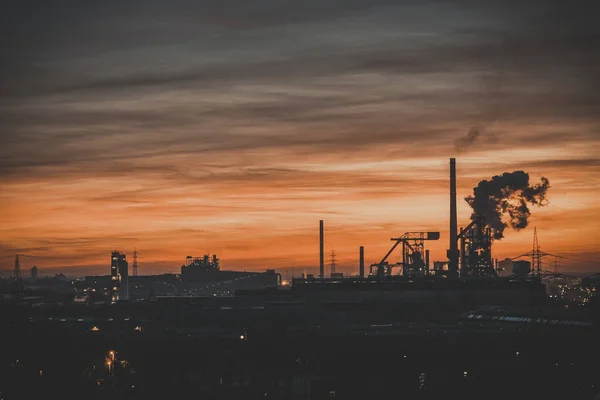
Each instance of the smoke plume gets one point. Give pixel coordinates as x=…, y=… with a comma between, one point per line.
x=475, y=134
x=508, y=196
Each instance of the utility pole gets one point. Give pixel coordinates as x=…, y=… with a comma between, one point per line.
x=536, y=256
x=135, y=264
x=332, y=262
x=18, y=288
x=536, y=259
x=321, y=263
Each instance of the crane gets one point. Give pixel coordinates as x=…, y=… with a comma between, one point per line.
x=415, y=259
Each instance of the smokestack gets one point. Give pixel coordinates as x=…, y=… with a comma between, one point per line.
x=362, y=262
x=462, y=252
x=453, y=251
x=321, y=254
x=427, y=262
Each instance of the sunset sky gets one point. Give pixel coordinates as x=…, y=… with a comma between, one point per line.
x=232, y=126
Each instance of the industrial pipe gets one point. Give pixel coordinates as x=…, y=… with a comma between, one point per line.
x=361, y=270
x=321, y=254
x=453, y=253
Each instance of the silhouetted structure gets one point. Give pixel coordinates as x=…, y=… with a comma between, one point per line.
x=135, y=263
x=536, y=255
x=332, y=264
x=361, y=270
x=440, y=269
x=476, y=250
x=321, y=252
x=207, y=269
x=34, y=273
x=453, y=253
x=119, y=274
x=521, y=268
x=413, y=255
x=18, y=288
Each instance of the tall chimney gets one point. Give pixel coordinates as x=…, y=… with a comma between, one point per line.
x=361, y=270
x=321, y=255
x=427, y=262
x=453, y=251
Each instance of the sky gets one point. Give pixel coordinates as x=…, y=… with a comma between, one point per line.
x=232, y=127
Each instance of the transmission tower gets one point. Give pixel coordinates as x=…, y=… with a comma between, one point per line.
x=18, y=288
x=135, y=264
x=536, y=258
x=332, y=262
x=536, y=255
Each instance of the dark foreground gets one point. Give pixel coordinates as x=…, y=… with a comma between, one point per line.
x=467, y=360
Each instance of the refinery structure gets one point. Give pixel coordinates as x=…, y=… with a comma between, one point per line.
x=119, y=276
x=467, y=278
x=448, y=326
x=468, y=271
x=207, y=269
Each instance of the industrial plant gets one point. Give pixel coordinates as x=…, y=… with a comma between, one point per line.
x=417, y=328
x=468, y=277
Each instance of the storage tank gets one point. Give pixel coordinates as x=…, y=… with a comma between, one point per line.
x=521, y=268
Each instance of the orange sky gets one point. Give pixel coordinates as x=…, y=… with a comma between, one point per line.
x=233, y=130
x=268, y=217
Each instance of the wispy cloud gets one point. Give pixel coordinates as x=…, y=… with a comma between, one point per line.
x=190, y=125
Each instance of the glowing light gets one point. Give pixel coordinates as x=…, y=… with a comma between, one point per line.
x=242, y=337
x=94, y=329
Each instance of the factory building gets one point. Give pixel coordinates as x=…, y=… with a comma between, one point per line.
x=518, y=268
x=34, y=273
x=119, y=275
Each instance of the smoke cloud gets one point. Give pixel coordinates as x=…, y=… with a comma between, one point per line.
x=475, y=134
x=504, y=201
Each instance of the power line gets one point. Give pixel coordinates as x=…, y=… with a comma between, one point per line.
x=536, y=258
x=554, y=255
x=577, y=259
x=31, y=256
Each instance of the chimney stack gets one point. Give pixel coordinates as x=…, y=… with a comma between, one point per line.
x=453, y=251
x=361, y=270
x=321, y=255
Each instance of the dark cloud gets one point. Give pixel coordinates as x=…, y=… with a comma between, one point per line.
x=86, y=85
x=580, y=163
x=474, y=135
x=504, y=62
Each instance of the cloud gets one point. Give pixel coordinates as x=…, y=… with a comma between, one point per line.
x=168, y=122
